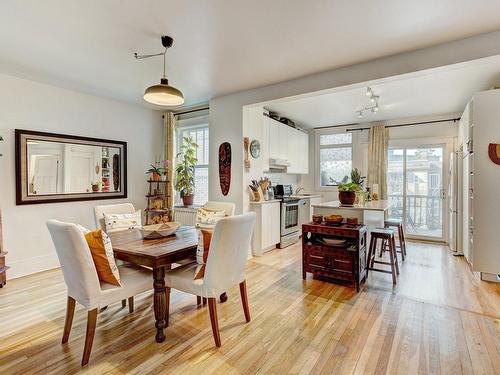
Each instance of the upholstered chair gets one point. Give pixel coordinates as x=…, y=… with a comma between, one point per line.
x=225, y=267
x=83, y=284
x=108, y=209
x=229, y=207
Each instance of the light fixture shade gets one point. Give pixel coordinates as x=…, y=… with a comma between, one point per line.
x=163, y=94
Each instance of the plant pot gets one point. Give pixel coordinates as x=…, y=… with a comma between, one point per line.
x=187, y=200
x=163, y=177
x=155, y=176
x=347, y=198
x=95, y=188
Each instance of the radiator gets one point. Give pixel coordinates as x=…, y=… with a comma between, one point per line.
x=185, y=216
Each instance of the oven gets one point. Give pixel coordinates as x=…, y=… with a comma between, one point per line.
x=289, y=216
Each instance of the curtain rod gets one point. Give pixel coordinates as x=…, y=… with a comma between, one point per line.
x=189, y=111
x=407, y=124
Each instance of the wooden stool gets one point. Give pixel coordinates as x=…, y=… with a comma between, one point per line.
x=387, y=236
x=401, y=237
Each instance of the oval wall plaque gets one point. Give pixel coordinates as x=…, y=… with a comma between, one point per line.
x=225, y=167
x=494, y=152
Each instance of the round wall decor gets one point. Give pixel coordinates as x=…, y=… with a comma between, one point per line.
x=255, y=149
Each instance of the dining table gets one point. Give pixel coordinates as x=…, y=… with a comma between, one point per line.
x=159, y=255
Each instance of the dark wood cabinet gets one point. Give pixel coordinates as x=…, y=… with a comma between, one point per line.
x=345, y=262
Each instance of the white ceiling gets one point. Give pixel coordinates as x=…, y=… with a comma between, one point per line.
x=220, y=46
x=433, y=92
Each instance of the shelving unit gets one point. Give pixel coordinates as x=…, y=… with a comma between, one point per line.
x=158, y=201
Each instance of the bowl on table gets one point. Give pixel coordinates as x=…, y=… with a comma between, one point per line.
x=333, y=219
x=151, y=232
x=317, y=219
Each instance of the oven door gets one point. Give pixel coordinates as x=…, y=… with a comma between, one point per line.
x=289, y=217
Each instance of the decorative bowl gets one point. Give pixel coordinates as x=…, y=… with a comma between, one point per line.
x=333, y=219
x=151, y=232
x=317, y=219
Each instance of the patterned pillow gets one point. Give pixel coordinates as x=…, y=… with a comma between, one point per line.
x=204, y=216
x=115, y=222
x=204, y=238
x=103, y=257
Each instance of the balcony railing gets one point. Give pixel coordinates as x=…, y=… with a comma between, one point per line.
x=423, y=213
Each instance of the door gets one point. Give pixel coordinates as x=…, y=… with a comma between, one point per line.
x=45, y=179
x=417, y=177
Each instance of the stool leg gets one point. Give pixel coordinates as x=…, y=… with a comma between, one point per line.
x=370, y=255
x=395, y=254
x=403, y=239
x=381, y=253
x=392, y=253
x=401, y=242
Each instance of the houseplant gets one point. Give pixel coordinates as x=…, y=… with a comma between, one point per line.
x=155, y=171
x=184, y=170
x=347, y=189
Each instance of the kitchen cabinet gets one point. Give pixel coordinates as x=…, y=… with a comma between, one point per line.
x=266, y=233
x=286, y=143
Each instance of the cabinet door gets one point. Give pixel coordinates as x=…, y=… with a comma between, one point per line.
x=292, y=151
x=264, y=145
x=273, y=136
x=270, y=224
x=303, y=152
x=282, y=141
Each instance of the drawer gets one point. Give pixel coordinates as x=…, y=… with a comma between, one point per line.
x=341, y=264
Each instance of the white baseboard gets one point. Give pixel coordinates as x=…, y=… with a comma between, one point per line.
x=490, y=277
x=29, y=266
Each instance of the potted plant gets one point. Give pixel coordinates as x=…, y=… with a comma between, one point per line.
x=155, y=172
x=347, y=189
x=184, y=170
x=96, y=186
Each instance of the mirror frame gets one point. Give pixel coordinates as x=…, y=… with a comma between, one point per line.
x=22, y=197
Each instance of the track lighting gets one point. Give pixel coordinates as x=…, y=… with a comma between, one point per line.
x=360, y=114
x=369, y=91
x=373, y=99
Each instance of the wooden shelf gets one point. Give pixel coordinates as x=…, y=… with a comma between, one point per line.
x=157, y=211
x=157, y=195
x=161, y=182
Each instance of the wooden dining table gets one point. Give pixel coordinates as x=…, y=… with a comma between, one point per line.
x=158, y=254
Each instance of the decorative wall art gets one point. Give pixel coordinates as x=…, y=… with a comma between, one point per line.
x=494, y=152
x=225, y=167
x=246, y=144
x=255, y=149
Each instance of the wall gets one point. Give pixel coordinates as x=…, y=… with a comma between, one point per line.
x=445, y=129
x=226, y=112
x=29, y=105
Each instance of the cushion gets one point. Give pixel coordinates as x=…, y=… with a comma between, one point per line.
x=204, y=238
x=204, y=216
x=103, y=257
x=116, y=222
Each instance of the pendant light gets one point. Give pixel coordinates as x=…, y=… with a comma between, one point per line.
x=162, y=94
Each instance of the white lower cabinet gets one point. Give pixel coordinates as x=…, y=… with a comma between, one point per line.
x=266, y=233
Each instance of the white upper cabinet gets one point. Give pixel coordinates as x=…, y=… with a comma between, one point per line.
x=288, y=144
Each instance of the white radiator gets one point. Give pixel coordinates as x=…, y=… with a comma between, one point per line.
x=185, y=216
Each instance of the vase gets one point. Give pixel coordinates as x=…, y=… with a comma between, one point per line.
x=347, y=198
x=187, y=200
x=163, y=177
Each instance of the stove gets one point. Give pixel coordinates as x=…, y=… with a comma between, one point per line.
x=291, y=212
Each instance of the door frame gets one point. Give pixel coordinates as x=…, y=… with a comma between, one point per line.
x=447, y=143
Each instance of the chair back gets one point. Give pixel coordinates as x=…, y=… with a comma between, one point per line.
x=228, y=253
x=109, y=209
x=228, y=207
x=76, y=262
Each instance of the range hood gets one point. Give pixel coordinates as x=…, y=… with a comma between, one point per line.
x=278, y=164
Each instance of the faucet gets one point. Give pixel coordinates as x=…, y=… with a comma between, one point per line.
x=298, y=190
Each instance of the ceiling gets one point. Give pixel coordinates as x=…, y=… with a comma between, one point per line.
x=220, y=46
x=433, y=92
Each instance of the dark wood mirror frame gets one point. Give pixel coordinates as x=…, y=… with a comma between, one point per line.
x=22, y=185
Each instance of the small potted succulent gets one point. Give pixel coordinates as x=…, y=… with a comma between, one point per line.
x=155, y=172
x=348, y=189
x=185, y=169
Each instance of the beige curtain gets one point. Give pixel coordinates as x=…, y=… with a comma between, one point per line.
x=169, y=133
x=378, y=147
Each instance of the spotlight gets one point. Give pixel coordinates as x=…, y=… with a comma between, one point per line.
x=375, y=109
x=369, y=91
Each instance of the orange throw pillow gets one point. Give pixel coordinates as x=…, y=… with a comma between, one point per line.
x=104, y=259
x=204, y=238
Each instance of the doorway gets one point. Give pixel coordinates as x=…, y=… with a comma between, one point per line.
x=417, y=188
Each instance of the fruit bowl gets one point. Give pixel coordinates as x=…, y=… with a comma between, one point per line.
x=151, y=232
x=333, y=219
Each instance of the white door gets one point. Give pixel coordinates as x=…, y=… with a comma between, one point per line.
x=417, y=180
x=81, y=171
x=45, y=179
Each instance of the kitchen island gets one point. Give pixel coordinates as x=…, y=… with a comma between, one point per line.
x=372, y=213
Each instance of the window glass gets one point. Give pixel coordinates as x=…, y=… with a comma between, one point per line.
x=335, y=163
x=335, y=139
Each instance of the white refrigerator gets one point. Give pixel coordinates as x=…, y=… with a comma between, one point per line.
x=455, y=203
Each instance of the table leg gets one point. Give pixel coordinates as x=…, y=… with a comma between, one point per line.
x=159, y=302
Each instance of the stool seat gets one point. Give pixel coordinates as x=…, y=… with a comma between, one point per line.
x=386, y=235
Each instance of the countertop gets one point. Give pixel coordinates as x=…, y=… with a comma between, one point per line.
x=368, y=206
x=300, y=196
x=264, y=202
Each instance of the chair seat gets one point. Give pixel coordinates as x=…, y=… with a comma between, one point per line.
x=182, y=278
x=134, y=280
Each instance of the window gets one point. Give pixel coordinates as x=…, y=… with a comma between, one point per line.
x=335, y=157
x=200, y=136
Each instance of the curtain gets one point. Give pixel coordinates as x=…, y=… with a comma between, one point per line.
x=169, y=122
x=378, y=148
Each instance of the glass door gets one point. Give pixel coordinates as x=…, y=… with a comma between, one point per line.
x=416, y=187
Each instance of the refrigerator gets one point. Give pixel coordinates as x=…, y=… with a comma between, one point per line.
x=455, y=203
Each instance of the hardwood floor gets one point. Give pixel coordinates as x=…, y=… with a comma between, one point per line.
x=438, y=319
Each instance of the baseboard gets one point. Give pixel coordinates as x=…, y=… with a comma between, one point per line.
x=490, y=277
x=29, y=266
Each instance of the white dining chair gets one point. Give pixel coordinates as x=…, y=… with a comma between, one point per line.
x=225, y=268
x=109, y=209
x=83, y=284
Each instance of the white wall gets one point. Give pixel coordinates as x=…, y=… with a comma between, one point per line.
x=445, y=129
x=226, y=112
x=34, y=106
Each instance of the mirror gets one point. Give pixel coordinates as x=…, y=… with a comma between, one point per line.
x=62, y=168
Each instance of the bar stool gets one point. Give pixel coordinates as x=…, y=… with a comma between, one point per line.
x=386, y=236
x=401, y=237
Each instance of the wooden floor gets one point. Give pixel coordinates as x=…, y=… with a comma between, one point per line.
x=439, y=319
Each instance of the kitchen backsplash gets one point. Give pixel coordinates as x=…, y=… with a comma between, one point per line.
x=284, y=178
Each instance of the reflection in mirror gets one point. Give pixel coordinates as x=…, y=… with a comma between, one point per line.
x=59, y=168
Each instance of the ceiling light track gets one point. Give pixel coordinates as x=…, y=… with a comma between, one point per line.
x=373, y=108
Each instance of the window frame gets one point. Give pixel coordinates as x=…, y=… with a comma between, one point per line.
x=317, y=151
x=180, y=131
